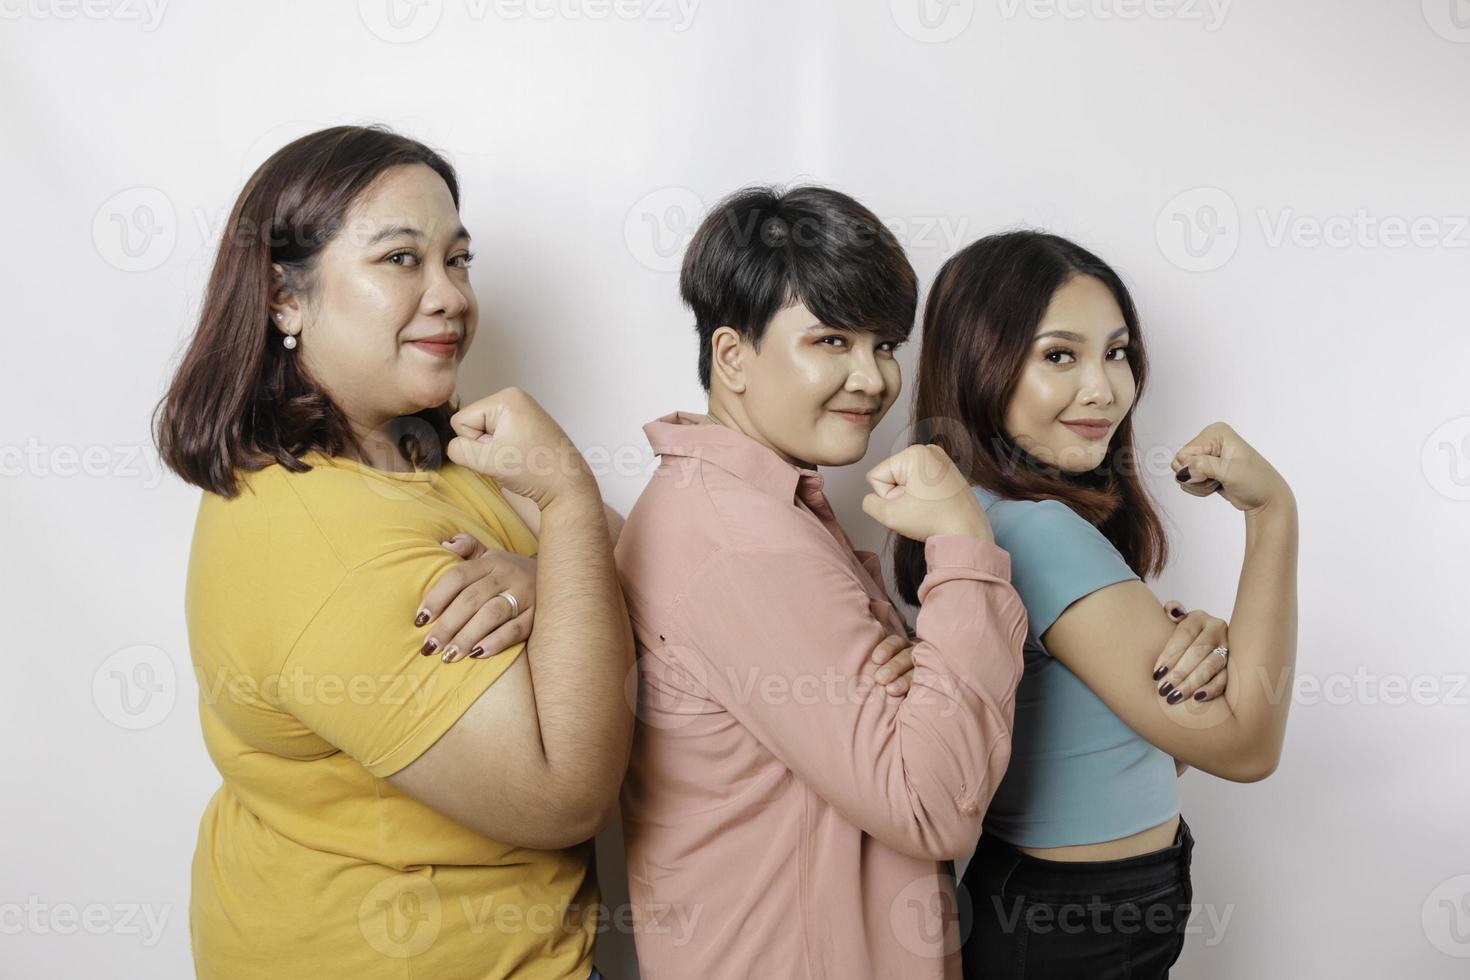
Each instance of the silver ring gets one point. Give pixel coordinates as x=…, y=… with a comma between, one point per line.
x=1223, y=652
x=515, y=607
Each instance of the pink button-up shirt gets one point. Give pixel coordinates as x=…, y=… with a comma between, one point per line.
x=785, y=816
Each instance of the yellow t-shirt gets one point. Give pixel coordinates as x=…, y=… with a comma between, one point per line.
x=300, y=602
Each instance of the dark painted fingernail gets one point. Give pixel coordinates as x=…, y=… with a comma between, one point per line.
x=1199, y=695
x=477, y=652
x=1182, y=475
x=1176, y=697
x=1160, y=672
x=429, y=645
x=1166, y=687
x=421, y=618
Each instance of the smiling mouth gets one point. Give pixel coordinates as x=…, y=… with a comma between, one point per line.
x=856, y=418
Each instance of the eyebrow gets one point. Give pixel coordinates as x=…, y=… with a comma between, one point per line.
x=401, y=230
x=820, y=327
x=1077, y=338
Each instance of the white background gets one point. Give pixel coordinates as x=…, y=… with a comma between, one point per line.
x=1314, y=153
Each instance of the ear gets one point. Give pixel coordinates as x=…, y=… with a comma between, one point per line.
x=282, y=301
x=726, y=350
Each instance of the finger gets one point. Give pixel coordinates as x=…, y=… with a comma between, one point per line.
x=1214, y=687
x=506, y=636
x=1198, y=473
x=897, y=668
x=443, y=591
x=489, y=618
x=1184, y=634
x=461, y=610
x=462, y=544
x=885, y=650
x=900, y=687
x=1195, y=667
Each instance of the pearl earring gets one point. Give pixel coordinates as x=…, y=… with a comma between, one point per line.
x=290, y=341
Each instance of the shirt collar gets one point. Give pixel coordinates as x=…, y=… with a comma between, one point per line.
x=694, y=436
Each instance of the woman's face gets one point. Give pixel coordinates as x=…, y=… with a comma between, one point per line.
x=814, y=393
x=1076, y=371
x=397, y=275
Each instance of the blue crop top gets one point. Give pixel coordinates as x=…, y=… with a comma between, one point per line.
x=1078, y=774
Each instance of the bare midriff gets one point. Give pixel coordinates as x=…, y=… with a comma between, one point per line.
x=1143, y=842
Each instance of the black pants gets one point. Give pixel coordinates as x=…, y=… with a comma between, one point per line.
x=1092, y=920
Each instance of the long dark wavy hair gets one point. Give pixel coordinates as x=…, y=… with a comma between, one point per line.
x=239, y=400
x=979, y=325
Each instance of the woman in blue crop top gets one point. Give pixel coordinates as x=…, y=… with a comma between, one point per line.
x=1033, y=360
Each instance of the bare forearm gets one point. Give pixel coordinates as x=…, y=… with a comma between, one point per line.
x=581, y=649
x=1263, y=628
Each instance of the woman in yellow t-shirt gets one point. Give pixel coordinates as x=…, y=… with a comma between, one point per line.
x=385, y=813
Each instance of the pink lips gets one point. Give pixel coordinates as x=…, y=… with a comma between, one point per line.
x=864, y=419
x=1090, y=430
x=438, y=348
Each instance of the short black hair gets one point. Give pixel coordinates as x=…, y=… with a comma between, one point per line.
x=762, y=249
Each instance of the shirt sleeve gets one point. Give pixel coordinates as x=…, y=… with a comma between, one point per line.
x=1057, y=557
x=356, y=676
x=780, y=640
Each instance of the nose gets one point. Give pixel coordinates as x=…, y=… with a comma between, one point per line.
x=863, y=375
x=444, y=295
x=1097, y=388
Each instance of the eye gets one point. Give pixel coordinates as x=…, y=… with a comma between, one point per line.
x=402, y=254
x=1056, y=352
x=464, y=258
x=892, y=345
x=1120, y=349
x=832, y=336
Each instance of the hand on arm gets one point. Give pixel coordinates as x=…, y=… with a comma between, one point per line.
x=1238, y=736
x=537, y=760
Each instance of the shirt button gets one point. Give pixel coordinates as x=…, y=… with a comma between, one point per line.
x=969, y=809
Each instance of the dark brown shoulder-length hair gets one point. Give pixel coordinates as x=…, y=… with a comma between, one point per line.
x=239, y=399
x=979, y=325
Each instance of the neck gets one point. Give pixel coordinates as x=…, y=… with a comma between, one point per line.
x=376, y=447
x=733, y=418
